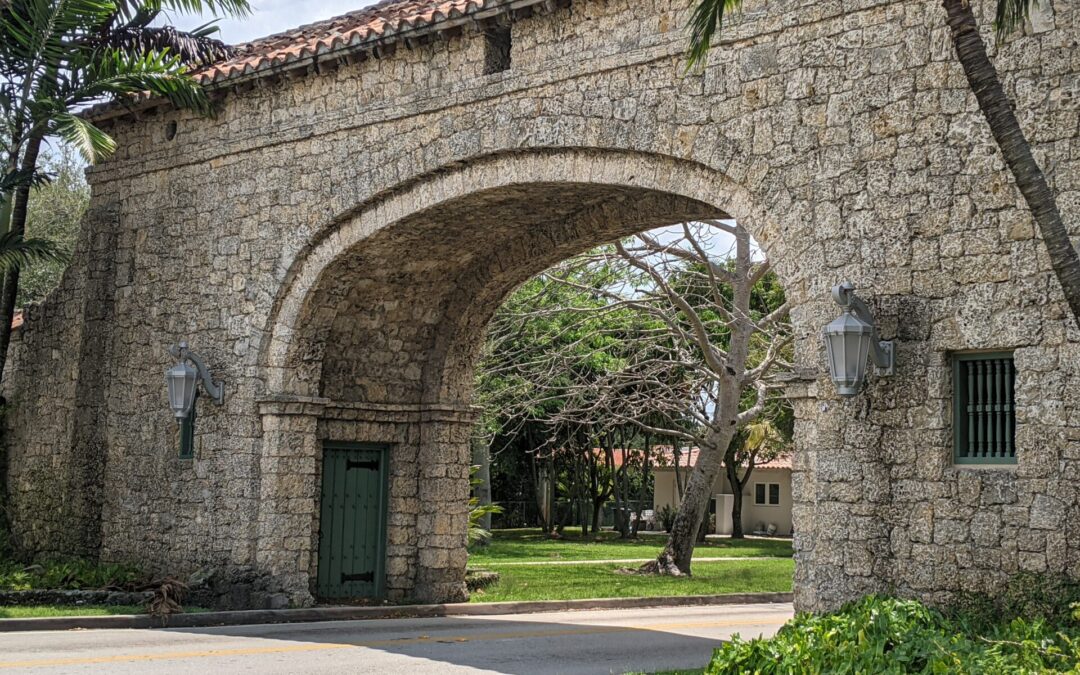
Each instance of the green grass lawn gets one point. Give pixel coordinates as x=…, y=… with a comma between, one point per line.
x=529, y=545
x=600, y=580
x=34, y=611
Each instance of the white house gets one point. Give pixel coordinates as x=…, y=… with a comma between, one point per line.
x=766, y=506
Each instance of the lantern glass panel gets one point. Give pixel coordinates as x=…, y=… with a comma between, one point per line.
x=180, y=380
x=857, y=348
x=847, y=343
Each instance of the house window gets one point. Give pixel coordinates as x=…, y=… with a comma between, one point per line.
x=767, y=494
x=187, y=432
x=984, y=413
x=496, y=49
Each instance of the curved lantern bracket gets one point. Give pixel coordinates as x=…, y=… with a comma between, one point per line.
x=881, y=351
x=216, y=390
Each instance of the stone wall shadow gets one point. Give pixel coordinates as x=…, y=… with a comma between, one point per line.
x=551, y=643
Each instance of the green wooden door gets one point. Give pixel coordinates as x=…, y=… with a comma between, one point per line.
x=352, y=527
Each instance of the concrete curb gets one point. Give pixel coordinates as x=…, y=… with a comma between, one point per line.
x=264, y=616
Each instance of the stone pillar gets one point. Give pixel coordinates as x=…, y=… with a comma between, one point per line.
x=443, y=521
x=840, y=495
x=288, y=489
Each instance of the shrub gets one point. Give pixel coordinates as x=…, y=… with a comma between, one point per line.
x=888, y=635
x=477, y=534
x=70, y=575
x=1026, y=596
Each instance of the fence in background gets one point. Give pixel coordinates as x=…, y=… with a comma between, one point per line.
x=526, y=514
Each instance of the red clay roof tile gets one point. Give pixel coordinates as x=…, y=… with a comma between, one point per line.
x=378, y=25
x=370, y=24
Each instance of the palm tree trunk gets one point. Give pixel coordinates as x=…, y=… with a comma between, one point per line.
x=997, y=109
x=10, y=292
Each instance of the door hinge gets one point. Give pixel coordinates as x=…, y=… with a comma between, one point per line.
x=372, y=465
x=363, y=576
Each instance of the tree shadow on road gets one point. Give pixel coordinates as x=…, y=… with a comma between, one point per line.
x=544, y=644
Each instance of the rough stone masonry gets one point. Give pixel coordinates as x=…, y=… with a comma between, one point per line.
x=334, y=241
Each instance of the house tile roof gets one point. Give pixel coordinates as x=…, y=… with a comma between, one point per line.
x=781, y=462
x=378, y=24
x=665, y=457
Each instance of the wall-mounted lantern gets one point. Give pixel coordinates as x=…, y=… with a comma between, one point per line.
x=181, y=381
x=850, y=338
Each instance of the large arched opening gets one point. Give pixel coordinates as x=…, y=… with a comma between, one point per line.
x=373, y=342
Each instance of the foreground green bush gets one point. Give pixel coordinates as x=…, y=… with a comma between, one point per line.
x=887, y=635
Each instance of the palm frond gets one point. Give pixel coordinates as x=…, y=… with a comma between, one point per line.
x=13, y=179
x=237, y=8
x=116, y=74
x=38, y=32
x=91, y=142
x=17, y=252
x=1011, y=15
x=706, y=22
x=191, y=48
x=128, y=9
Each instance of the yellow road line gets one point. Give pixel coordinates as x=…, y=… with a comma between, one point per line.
x=165, y=656
x=422, y=639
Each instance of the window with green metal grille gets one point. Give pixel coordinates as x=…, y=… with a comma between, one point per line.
x=984, y=412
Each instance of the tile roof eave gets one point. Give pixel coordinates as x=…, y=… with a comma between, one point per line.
x=277, y=66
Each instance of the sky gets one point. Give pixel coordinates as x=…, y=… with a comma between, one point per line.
x=273, y=16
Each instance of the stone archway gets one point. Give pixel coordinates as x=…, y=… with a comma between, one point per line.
x=375, y=337
x=226, y=233
x=282, y=356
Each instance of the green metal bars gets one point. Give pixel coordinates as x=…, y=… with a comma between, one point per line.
x=984, y=413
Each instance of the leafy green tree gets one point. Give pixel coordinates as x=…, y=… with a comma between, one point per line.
x=54, y=215
x=18, y=251
x=997, y=108
x=59, y=56
x=547, y=347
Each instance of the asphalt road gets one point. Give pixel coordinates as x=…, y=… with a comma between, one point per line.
x=602, y=641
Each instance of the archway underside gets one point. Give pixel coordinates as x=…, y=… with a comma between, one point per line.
x=399, y=317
